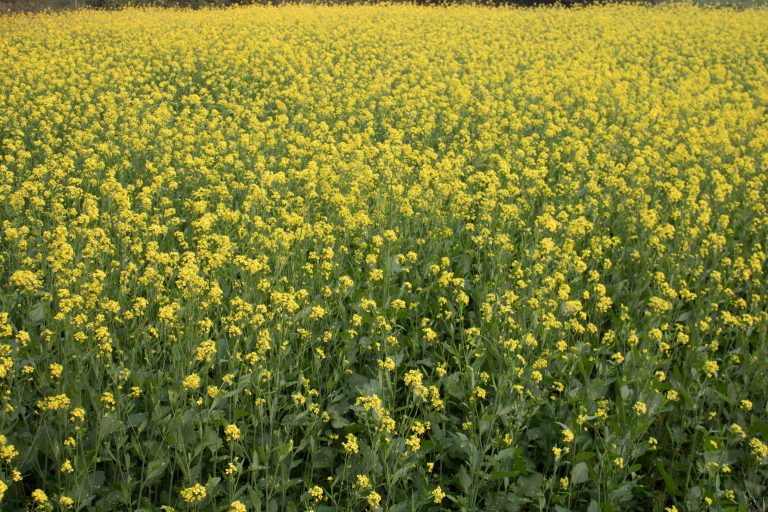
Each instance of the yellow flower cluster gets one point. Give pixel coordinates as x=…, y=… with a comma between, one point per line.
x=194, y=494
x=384, y=257
x=232, y=432
x=54, y=403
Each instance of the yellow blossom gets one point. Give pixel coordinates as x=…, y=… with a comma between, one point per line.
x=237, y=506
x=193, y=494
x=350, y=445
x=438, y=495
x=191, y=381
x=232, y=432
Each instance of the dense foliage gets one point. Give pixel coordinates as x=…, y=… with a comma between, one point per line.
x=390, y=258
x=58, y=5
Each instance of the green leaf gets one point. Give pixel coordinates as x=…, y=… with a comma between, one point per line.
x=464, y=479
x=622, y=493
x=498, y=475
x=580, y=473
x=625, y=392
x=136, y=420
x=530, y=485
x=212, y=483
x=37, y=313
x=155, y=470
x=669, y=482
x=506, y=453
x=323, y=458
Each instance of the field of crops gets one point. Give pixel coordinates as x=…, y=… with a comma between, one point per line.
x=384, y=258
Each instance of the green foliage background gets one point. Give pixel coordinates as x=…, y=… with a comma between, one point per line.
x=540, y=232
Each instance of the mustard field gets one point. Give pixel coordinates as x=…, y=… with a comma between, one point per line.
x=386, y=258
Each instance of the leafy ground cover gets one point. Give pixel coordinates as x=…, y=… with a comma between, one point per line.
x=384, y=258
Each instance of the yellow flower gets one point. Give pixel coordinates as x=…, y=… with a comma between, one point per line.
x=66, y=467
x=711, y=368
x=39, y=497
x=413, y=378
x=316, y=492
x=387, y=364
x=317, y=312
x=191, y=381
x=374, y=499
x=759, y=449
x=194, y=494
x=25, y=280
x=350, y=445
x=56, y=370
x=7, y=451
x=438, y=495
x=66, y=502
x=232, y=432
x=108, y=400
x=205, y=351
x=567, y=436
x=237, y=506
x=55, y=403
x=414, y=443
